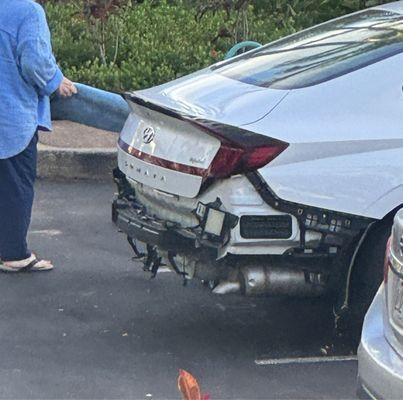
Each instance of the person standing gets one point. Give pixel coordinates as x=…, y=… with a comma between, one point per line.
x=29, y=74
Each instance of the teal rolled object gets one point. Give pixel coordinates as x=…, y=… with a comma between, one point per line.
x=240, y=46
x=92, y=107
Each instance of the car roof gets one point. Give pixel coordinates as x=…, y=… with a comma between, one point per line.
x=396, y=6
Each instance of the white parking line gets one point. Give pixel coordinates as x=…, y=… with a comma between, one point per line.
x=164, y=269
x=304, y=360
x=47, y=232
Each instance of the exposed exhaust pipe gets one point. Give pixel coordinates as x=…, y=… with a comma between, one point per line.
x=274, y=281
x=227, y=287
x=280, y=281
x=252, y=280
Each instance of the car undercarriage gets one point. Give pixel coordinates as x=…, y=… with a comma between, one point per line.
x=294, y=250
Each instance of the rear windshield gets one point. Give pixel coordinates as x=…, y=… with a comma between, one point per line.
x=321, y=53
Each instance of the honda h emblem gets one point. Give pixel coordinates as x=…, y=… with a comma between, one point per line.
x=148, y=135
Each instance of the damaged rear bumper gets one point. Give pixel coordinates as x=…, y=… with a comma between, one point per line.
x=136, y=224
x=194, y=251
x=131, y=217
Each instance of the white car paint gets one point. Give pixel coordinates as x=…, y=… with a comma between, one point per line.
x=215, y=97
x=345, y=140
x=173, y=140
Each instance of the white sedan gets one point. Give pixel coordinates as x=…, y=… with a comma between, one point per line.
x=278, y=171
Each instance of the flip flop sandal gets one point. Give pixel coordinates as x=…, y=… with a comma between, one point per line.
x=34, y=265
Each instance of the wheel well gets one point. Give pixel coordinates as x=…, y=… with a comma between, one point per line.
x=377, y=231
x=362, y=272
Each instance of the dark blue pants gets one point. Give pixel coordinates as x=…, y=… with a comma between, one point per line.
x=17, y=178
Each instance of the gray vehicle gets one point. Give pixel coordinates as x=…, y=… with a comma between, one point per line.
x=380, y=354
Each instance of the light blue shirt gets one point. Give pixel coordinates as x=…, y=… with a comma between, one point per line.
x=28, y=74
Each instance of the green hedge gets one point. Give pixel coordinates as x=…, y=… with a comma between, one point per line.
x=153, y=42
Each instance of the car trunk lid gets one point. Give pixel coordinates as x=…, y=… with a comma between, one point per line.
x=214, y=97
x=176, y=152
x=164, y=152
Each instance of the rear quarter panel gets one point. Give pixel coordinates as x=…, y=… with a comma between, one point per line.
x=346, y=142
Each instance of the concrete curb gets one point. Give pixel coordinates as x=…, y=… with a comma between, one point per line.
x=73, y=163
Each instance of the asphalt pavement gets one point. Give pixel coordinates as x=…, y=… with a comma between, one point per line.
x=99, y=327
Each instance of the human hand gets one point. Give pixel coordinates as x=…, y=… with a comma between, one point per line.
x=67, y=88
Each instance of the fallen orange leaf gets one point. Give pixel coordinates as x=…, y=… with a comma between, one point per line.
x=189, y=387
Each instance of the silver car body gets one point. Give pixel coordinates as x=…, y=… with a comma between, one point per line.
x=380, y=354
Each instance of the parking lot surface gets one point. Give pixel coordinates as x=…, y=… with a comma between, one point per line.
x=98, y=327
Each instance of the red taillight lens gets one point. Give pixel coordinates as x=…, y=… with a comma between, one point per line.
x=386, y=263
x=225, y=161
x=233, y=159
x=260, y=156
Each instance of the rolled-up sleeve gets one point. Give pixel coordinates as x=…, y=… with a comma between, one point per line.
x=34, y=50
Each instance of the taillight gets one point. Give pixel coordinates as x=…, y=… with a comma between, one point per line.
x=386, y=263
x=225, y=161
x=260, y=156
x=235, y=159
